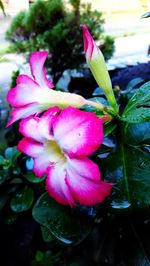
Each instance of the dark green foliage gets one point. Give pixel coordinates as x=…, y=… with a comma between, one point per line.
x=49, y=25
x=66, y=225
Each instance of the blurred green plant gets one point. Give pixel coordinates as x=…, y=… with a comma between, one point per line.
x=52, y=26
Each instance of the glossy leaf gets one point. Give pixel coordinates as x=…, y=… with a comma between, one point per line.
x=137, y=109
x=123, y=240
x=33, y=179
x=136, y=134
x=46, y=234
x=65, y=224
x=23, y=200
x=108, y=129
x=98, y=91
x=129, y=170
x=3, y=201
x=133, y=83
x=2, y=160
x=3, y=176
x=12, y=153
x=137, y=115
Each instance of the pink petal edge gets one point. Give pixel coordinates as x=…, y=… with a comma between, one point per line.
x=30, y=147
x=83, y=180
x=37, y=60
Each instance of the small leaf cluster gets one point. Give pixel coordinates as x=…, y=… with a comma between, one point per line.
x=16, y=179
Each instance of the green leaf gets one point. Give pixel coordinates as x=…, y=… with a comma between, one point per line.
x=137, y=115
x=39, y=256
x=98, y=91
x=108, y=129
x=136, y=134
x=23, y=200
x=137, y=109
x=65, y=224
x=2, y=160
x=34, y=179
x=129, y=170
x=3, y=177
x=123, y=238
x=12, y=153
x=133, y=83
x=3, y=201
x=46, y=234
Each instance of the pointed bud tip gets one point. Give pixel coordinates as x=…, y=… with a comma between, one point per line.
x=88, y=42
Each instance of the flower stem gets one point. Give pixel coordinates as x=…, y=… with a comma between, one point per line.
x=97, y=105
x=101, y=107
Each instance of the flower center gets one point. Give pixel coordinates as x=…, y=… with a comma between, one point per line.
x=55, y=154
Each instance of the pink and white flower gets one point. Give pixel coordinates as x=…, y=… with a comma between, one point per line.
x=34, y=95
x=59, y=143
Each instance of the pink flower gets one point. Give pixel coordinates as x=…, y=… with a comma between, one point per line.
x=34, y=95
x=59, y=144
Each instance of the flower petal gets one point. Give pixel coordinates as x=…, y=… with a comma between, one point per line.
x=23, y=112
x=84, y=187
x=41, y=163
x=30, y=147
x=85, y=167
x=56, y=185
x=77, y=132
x=39, y=129
x=26, y=91
x=37, y=60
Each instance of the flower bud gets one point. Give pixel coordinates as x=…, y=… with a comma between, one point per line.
x=97, y=65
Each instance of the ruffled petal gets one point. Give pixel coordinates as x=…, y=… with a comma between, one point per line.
x=30, y=147
x=56, y=185
x=84, y=187
x=39, y=129
x=78, y=133
x=37, y=60
x=26, y=92
x=23, y=112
